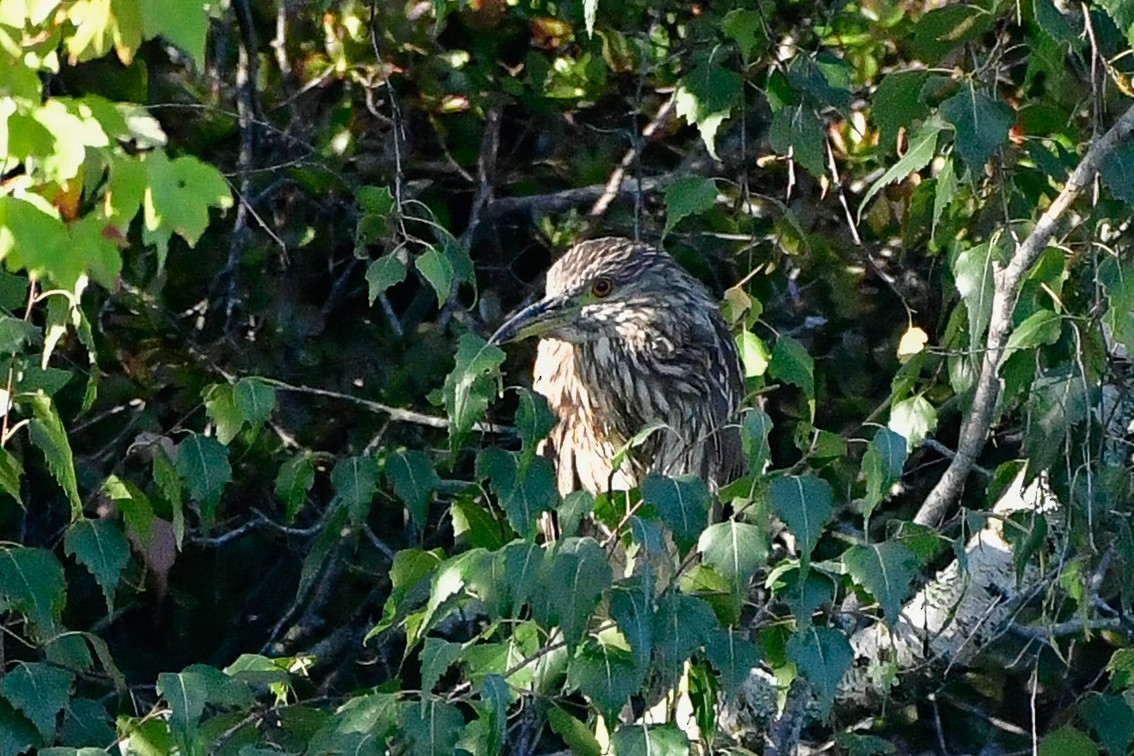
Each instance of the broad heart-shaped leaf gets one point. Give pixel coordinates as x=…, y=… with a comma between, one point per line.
x=31, y=583
x=1117, y=172
x=1067, y=741
x=607, y=674
x=973, y=273
x=255, y=398
x=471, y=385
x=885, y=570
x=203, y=465
x=754, y=429
x=1056, y=403
x=575, y=577
x=85, y=721
x=823, y=655
x=1111, y=718
x=897, y=104
x=754, y=354
x=294, y=480
x=534, y=493
x=735, y=550
x=632, y=607
x=438, y=271
x=922, y=149
x=805, y=504
x=913, y=419
x=746, y=28
x=682, y=504
x=220, y=406
x=101, y=547
x=681, y=625
x=414, y=481
x=40, y=691
x=798, y=130
x=383, y=273
x=882, y=466
x=185, y=23
x=356, y=481
x=705, y=97
x=186, y=693
x=178, y=196
x=733, y=655
x=1117, y=279
x=981, y=125
x=533, y=422
x=35, y=239
x=429, y=727
x=437, y=656
x=359, y=726
x=688, y=196
x=47, y=432
x=650, y=740
x=792, y=364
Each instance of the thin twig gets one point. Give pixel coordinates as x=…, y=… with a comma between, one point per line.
x=555, y=202
x=975, y=427
x=613, y=185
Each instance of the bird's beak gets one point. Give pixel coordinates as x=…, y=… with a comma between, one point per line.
x=537, y=319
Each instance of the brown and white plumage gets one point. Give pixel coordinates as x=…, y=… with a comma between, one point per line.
x=628, y=340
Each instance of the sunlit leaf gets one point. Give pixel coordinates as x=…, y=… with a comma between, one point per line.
x=11, y=471
x=438, y=271
x=882, y=466
x=576, y=734
x=735, y=550
x=754, y=429
x=220, y=406
x=705, y=97
x=922, y=149
x=650, y=740
x=1067, y=741
x=185, y=23
x=1040, y=328
x=753, y=354
x=745, y=27
x=913, y=419
x=913, y=341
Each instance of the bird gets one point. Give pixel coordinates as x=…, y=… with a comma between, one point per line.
x=631, y=342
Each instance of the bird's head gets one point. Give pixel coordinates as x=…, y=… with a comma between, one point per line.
x=610, y=287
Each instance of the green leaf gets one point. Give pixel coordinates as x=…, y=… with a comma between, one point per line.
x=792, y=364
x=746, y=29
x=688, y=196
x=1111, y=718
x=1067, y=741
x=882, y=467
x=735, y=550
x=294, y=480
x=682, y=504
x=475, y=524
x=754, y=429
x=11, y=471
x=169, y=482
x=897, y=104
x=383, y=273
x=576, y=735
x=823, y=656
x=681, y=625
x=575, y=506
x=178, y=196
x=17, y=734
x=981, y=125
x=355, y=480
x=430, y=727
x=577, y=575
x=805, y=503
x=255, y=398
x=437, y=656
x=650, y=740
x=523, y=569
x=86, y=721
x=185, y=23
x=631, y=606
x=438, y=271
x=39, y=691
x=733, y=655
x=973, y=273
x=202, y=463
x=471, y=385
x=47, y=433
x=886, y=571
x=534, y=421
x=1117, y=280
x=101, y=547
x=922, y=149
x=797, y=130
x=1039, y=328
x=946, y=190
x=913, y=419
x=1057, y=402
x=414, y=481
x=754, y=354
x=944, y=29
x=1117, y=172
x=220, y=406
x=705, y=97
x=607, y=674
x=186, y=693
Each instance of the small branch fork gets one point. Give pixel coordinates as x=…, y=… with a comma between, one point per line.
x=974, y=429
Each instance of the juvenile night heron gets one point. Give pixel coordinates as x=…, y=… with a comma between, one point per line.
x=628, y=339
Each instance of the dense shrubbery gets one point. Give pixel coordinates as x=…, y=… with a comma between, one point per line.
x=265, y=488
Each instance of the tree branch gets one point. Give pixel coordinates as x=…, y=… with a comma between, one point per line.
x=974, y=429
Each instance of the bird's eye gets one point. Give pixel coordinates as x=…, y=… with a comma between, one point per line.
x=601, y=287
